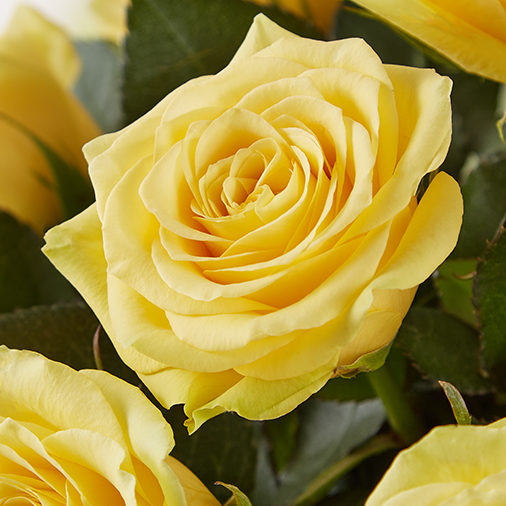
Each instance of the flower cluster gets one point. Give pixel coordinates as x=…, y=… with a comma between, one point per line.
x=260, y=231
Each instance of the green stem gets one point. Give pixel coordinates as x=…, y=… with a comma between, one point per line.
x=401, y=417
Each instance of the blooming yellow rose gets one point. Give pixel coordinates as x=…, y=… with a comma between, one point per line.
x=257, y=232
x=321, y=12
x=84, y=438
x=460, y=465
x=37, y=68
x=472, y=33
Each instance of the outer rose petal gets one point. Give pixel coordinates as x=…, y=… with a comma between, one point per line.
x=452, y=465
x=258, y=231
x=38, y=64
x=34, y=41
x=116, y=452
x=87, y=269
x=472, y=34
x=251, y=398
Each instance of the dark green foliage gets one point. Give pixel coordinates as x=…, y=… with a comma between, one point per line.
x=27, y=277
x=328, y=432
x=443, y=348
x=223, y=449
x=490, y=300
x=484, y=193
x=62, y=332
x=454, y=284
x=172, y=42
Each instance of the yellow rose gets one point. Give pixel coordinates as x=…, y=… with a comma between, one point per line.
x=38, y=65
x=461, y=465
x=84, y=438
x=257, y=231
x=321, y=12
x=81, y=19
x=472, y=33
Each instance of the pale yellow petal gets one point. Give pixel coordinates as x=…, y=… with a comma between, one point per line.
x=23, y=456
x=450, y=455
x=35, y=42
x=472, y=34
x=76, y=248
x=309, y=312
x=58, y=451
x=84, y=19
x=37, y=66
x=307, y=351
x=260, y=400
x=93, y=463
x=353, y=54
x=499, y=424
x=195, y=492
x=423, y=106
x=109, y=21
x=262, y=33
x=429, y=238
x=427, y=495
x=225, y=89
x=138, y=417
x=382, y=321
x=146, y=327
x=51, y=394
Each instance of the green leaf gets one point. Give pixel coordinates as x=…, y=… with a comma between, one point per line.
x=474, y=124
x=99, y=85
x=484, y=207
x=443, y=348
x=61, y=332
x=459, y=408
x=328, y=432
x=366, y=363
x=223, y=449
x=173, y=41
x=282, y=435
x=73, y=189
x=490, y=300
x=358, y=388
x=454, y=283
x=321, y=485
x=27, y=277
x=238, y=498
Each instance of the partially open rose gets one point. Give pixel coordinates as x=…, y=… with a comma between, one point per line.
x=84, y=438
x=257, y=232
x=460, y=465
x=38, y=66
